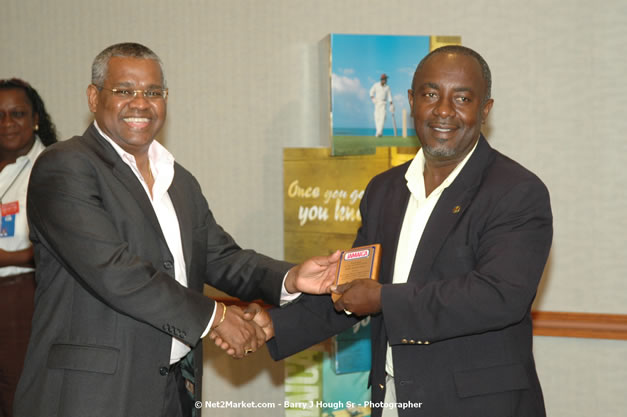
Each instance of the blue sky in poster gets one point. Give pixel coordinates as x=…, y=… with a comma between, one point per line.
x=358, y=62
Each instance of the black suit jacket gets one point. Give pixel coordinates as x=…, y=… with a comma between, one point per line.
x=107, y=304
x=460, y=328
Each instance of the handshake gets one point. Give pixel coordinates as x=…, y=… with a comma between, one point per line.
x=240, y=332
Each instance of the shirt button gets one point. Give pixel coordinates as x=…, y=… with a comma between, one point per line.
x=167, y=265
x=381, y=386
x=163, y=371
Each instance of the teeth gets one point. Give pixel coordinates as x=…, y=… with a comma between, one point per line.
x=439, y=129
x=136, y=120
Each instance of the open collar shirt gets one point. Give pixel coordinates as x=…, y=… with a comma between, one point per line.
x=162, y=167
x=419, y=209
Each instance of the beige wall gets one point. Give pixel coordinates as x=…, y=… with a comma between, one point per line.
x=244, y=84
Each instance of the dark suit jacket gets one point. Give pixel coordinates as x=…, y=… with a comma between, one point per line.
x=107, y=304
x=460, y=328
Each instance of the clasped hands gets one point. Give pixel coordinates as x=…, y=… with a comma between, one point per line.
x=244, y=331
x=238, y=334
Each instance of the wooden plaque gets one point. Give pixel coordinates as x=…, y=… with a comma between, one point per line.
x=358, y=263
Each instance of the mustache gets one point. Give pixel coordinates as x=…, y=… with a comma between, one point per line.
x=441, y=123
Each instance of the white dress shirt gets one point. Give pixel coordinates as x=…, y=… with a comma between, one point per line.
x=13, y=184
x=419, y=208
x=162, y=167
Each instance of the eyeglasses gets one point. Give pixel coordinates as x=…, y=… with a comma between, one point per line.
x=155, y=94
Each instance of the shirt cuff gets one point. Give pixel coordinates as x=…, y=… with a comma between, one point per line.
x=286, y=297
x=213, y=316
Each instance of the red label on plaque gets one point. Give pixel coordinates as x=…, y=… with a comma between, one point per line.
x=356, y=254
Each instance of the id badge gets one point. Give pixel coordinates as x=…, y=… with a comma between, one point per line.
x=9, y=211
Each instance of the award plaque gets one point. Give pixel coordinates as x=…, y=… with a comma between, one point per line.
x=358, y=263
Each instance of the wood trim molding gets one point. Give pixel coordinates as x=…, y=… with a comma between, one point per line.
x=554, y=323
x=586, y=325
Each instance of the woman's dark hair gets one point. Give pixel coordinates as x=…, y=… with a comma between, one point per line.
x=47, y=132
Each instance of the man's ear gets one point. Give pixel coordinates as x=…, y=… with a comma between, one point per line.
x=486, y=109
x=92, y=97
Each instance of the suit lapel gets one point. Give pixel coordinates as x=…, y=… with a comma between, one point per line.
x=449, y=209
x=124, y=174
x=180, y=201
x=390, y=223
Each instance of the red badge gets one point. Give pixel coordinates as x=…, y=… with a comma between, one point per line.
x=10, y=208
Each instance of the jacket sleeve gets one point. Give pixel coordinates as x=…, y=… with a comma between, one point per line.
x=242, y=273
x=72, y=222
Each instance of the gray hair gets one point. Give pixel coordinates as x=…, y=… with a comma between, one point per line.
x=100, y=65
x=461, y=50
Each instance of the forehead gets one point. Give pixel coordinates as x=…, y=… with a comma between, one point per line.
x=14, y=97
x=450, y=68
x=134, y=71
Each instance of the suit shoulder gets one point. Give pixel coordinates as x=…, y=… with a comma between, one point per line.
x=505, y=164
x=504, y=173
x=64, y=152
x=184, y=175
x=185, y=180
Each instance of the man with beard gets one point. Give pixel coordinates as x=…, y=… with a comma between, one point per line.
x=465, y=235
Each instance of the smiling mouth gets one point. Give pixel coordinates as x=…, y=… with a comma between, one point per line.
x=442, y=128
x=137, y=122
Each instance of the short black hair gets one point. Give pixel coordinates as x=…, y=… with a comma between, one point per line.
x=461, y=50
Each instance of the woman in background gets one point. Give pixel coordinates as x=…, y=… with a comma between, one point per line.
x=25, y=130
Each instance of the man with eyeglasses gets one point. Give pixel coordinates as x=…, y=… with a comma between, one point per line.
x=124, y=241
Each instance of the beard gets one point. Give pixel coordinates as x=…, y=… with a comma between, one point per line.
x=439, y=151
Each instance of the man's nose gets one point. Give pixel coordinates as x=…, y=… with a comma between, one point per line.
x=444, y=108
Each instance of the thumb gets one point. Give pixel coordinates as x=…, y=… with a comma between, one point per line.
x=341, y=289
x=335, y=256
x=251, y=311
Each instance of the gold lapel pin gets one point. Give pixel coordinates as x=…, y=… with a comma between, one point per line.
x=456, y=209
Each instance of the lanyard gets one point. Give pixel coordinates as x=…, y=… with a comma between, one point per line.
x=13, y=182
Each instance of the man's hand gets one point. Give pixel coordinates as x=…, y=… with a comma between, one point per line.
x=236, y=335
x=261, y=318
x=314, y=276
x=263, y=324
x=360, y=297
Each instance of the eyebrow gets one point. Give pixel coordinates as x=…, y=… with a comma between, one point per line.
x=429, y=85
x=437, y=87
x=463, y=89
x=128, y=84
